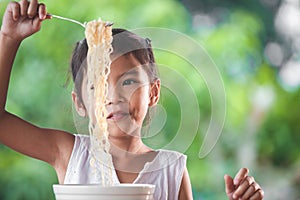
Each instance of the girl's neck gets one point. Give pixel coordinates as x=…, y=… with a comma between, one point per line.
x=127, y=146
x=129, y=156
x=124, y=144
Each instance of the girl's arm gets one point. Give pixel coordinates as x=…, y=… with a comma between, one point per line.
x=20, y=21
x=185, y=192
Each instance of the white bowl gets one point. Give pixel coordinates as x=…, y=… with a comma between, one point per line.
x=97, y=192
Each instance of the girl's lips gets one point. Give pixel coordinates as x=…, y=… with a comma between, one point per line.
x=116, y=115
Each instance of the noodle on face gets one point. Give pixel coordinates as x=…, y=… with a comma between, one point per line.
x=99, y=39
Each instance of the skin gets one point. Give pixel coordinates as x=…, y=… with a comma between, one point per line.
x=242, y=186
x=133, y=98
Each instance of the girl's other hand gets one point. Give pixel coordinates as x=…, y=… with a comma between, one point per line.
x=22, y=19
x=243, y=186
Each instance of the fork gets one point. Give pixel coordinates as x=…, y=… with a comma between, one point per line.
x=77, y=22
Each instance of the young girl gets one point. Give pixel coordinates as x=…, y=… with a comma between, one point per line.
x=133, y=87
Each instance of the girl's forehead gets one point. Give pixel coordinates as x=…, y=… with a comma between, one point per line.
x=124, y=64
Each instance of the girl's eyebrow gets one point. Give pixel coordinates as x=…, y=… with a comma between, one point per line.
x=131, y=72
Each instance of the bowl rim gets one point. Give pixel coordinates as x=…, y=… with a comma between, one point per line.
x=130, y=185
x=123, y=189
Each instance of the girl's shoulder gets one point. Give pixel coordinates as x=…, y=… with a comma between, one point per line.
x=170, y=153
x=166, y=159
x=80, y=138
x=81, y=144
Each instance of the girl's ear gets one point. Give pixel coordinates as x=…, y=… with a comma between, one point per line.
x=78, y=105
x=154, y=93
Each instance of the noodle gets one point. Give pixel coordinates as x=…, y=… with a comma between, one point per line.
x=99, y=39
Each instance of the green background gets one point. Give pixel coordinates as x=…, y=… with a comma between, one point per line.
x=262, y=120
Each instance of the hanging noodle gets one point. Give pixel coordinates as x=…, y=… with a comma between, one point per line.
x=99, y=39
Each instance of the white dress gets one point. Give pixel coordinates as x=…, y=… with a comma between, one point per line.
x=165, y=171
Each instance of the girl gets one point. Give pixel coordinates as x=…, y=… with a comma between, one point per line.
x=133, y=88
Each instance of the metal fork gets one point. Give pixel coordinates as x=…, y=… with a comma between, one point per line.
x=77, y=22
x=68, y=19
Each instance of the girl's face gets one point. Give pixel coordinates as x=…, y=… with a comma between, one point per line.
x=130, y=94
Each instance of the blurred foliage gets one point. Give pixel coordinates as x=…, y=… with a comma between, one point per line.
x=261, y=128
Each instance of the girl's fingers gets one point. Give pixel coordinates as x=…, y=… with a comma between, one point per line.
x=240, y=176
x=48, y=16
x=251, y=190
x=259, y=194
x=42, y=11
x=244, y=186
x=229, y=186
x=32, y=8
x=15, y=9
x=24, y=7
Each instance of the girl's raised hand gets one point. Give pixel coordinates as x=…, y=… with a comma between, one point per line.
x=243, y=187
x=22, y=19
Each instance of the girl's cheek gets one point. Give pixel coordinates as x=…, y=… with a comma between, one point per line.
x=129, y=93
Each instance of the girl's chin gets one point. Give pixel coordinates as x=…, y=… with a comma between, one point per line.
x=119, y=131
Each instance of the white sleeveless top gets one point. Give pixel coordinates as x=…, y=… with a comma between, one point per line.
x=165, y=171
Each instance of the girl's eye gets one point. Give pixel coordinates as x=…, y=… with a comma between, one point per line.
x=129, y=82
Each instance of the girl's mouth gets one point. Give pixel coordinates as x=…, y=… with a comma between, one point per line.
x=115, y=116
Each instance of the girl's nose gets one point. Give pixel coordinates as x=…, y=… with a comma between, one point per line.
x=114, y=95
